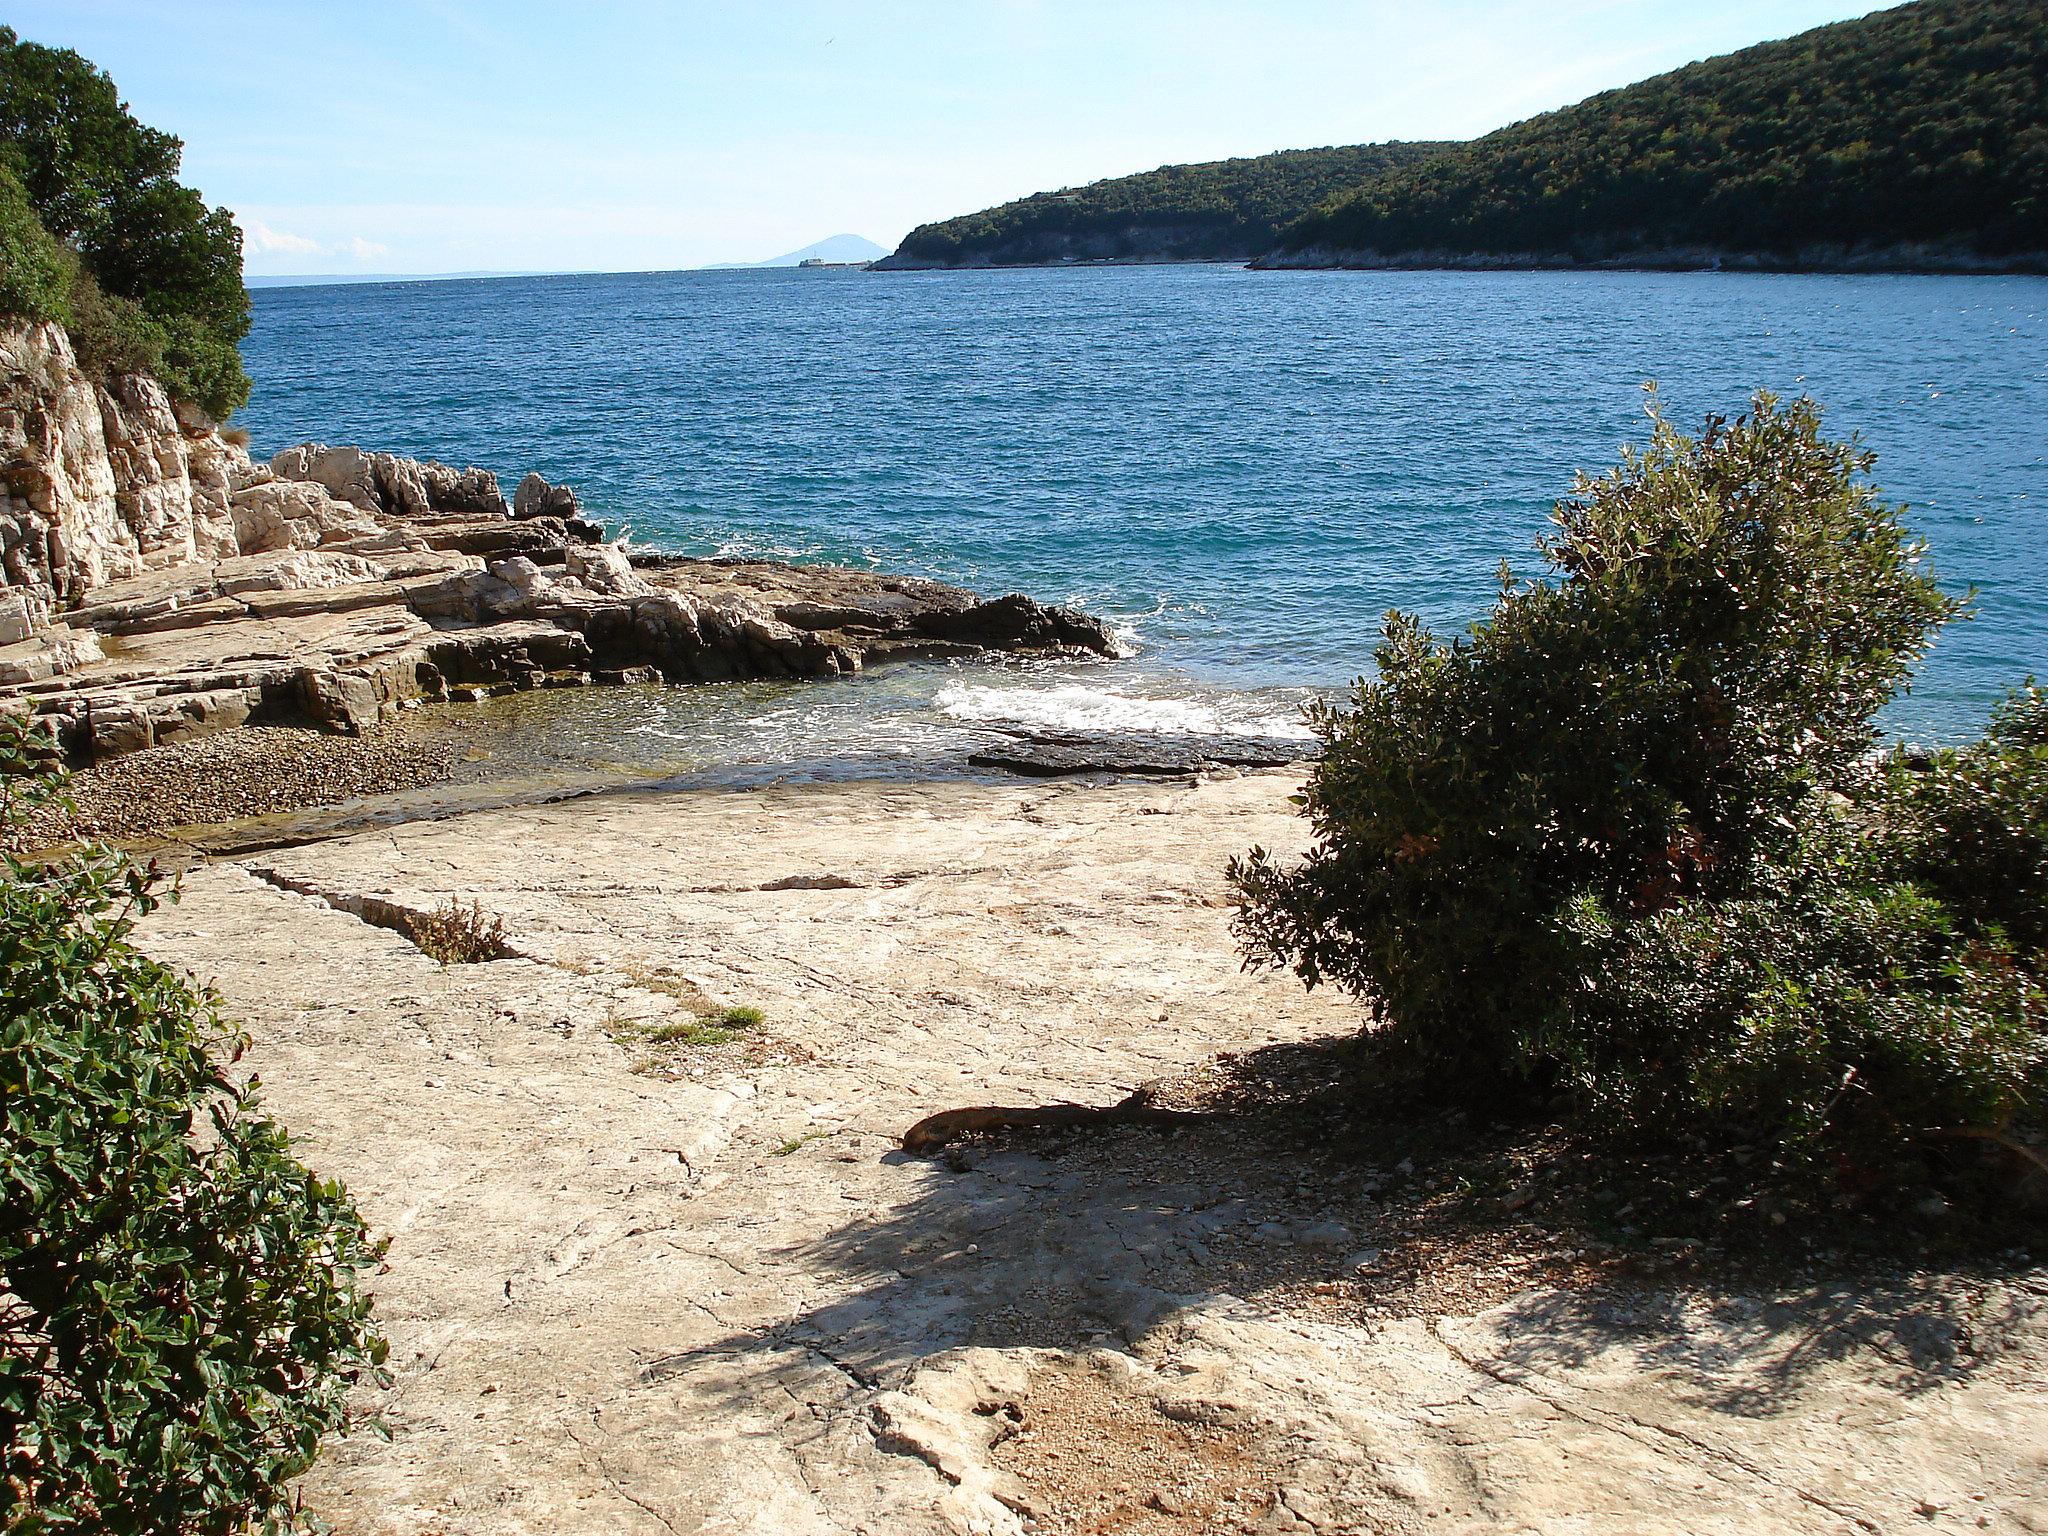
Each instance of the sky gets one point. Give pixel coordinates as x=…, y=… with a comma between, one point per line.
x=423, y=136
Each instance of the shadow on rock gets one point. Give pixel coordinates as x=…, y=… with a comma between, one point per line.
x=1315, y=1209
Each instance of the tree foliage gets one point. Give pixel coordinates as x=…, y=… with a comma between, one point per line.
x=1221, y=210
x=180, y=1313
x=1625, y=839
x=155, y=274
x=1926, y=124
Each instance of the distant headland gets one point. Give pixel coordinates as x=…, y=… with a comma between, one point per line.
x=1903, y=141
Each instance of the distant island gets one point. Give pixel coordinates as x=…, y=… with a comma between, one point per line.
x=832, y=251
x=1914, y=139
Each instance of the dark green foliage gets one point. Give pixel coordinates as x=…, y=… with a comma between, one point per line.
x=1837, y=1007
x=1924, y=124
x=35, y=271
x=180, y=1316
x=1221, y=210
x=1971, y=823
x=1733, y=610
x=1626, y=838
x=158, y=274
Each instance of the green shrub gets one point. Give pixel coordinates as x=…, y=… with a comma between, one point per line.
x=112, y=335
x=1839, y=1011
x=34, y=273
x=180, y=1312
x=1732, y=612
x=1971, y=823
x=1629, y=842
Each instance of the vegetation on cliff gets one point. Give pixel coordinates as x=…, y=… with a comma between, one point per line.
x=97, y=232
x=1626, y=844
x=180, y=1312
x=1924, y=125
x=1221, y=210
x=1915, y=134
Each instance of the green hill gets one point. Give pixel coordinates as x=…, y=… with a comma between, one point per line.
x=1221, y=210
x=1916, y=137
x=98, y=234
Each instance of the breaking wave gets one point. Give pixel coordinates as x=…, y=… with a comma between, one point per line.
x=1074, y=707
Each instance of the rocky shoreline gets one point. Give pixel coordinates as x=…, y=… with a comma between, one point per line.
x=157, y=586
x=1903, y=259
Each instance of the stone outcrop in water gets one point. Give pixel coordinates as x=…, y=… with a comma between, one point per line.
x=536, y=498
x=157, y=585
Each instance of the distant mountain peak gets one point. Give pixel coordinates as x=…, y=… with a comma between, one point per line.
x=833, y=248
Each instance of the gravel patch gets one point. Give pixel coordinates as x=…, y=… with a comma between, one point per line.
x=253, y=771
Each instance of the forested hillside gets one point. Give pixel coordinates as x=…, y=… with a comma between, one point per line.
x=97, y=232
x=1911, y=138
x=1916, y=135
x=1221, y=210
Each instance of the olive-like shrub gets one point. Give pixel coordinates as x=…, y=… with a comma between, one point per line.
x=181, y=1317
x=1629, y=839
x=1862, y=1000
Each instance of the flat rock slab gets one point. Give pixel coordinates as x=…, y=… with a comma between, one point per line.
x=645, y=1289
x=1054, y=754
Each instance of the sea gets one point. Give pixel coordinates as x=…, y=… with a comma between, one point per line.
x=1241, y=471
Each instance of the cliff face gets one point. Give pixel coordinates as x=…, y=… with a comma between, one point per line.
x=99, y=483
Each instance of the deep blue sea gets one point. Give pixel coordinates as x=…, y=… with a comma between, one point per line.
x=1242, y=469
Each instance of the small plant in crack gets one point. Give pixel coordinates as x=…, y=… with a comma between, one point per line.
x=718, y=1026
x=707, y=1029
x=457, y=935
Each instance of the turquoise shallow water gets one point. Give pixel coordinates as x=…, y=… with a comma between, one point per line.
x=1245, y=469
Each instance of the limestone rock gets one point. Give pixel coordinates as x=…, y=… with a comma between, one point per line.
x=536, y=498
x=604, y=568
x=345, y=473
x=385, y=484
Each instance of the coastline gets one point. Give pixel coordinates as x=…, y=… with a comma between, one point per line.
x=1921, y=261
x=1900, y=260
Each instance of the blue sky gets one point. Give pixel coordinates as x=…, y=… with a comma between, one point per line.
x=451, y=135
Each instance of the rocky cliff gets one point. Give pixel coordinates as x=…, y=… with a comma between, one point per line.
x=156, y=584
x=98, y=483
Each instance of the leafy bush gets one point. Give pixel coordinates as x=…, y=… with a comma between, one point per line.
x=34, y=274
x=112, y=335
x=1733, y=611
x=1627, y=838
x=1971, y=823
x=1838, y=1009
x=180, y=1313
x=158, y=273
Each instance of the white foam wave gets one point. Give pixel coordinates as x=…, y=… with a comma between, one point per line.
x=1072, y=707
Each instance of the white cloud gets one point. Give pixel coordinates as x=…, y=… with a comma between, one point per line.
x=367, y=250
x=269, y=240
